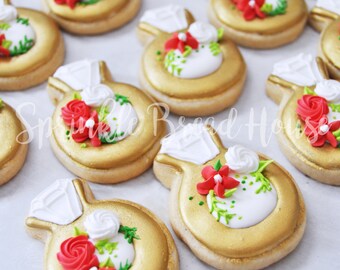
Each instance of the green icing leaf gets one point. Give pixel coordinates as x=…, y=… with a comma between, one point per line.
x=308, y=91
x=335, y=107
x=267, y=8
x=24, y=46
x=88, y=2
x=110, y=138
x=127, y=266
x=77, y=95
x=129, y=233
x=23, y=21
x=221, y=213
x=78, y=232
x=187, y=51
x=6, y=44
x=220, y=33
x=1, y=103
x=106, y=245
x=263, y=164
x=5, y=26
x=337, y=135
x=230, y=192
x=215, y=48
x=122, y=99
x=259, y=177
x=103, y=112
x=107, y=263
x=279, y=10
x=218, y=165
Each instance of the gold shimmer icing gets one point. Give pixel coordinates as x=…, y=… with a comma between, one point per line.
x=205, y=78
x=228, y=245
x=14, y=147
x=319, y=17
x=138, y=132
x=319, y=161
x=150, y=246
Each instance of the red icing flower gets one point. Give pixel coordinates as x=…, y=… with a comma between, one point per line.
x=75, y=113
x=312, y=107
x=107, y=268
x=319, y=132
x=77, y=253
x=71, y=3
x=180, y=40
x=251, y=8
x=217, y=179
x=4, y=52
x=91, y=130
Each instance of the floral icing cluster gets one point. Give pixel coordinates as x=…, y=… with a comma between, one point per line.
x=261, y=8
x=16, y=34
x=318, y=110
x=95, y=248
x=192, y=51
x=72, y=3
x=87, y=115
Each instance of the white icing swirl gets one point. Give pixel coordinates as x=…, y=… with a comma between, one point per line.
x=95, y=96
x=329, y=89
x=242, y=160
x=205, y=33
x=102, y=224
x=8, y=13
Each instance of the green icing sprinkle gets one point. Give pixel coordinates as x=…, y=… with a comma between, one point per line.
x=158, y=52
x=243, y=182
x=221, y=213
x=24, y=46
x=245, y=177
x=201, y=203
x=233, y=202
x=129, y=233
x=83, y=145
x=23, y=21
x=191, y=198
x=240, y=218
x=215, y=48
x=232, y=206
x=251, y=183
x=237, y=176
x=187, y=51
x=244, y=189
x=265, y=184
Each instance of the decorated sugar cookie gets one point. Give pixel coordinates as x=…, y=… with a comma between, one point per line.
x=188, y=65
x=82, y=233
x=233, y=208
x=90, y=17
x=323, y=13
x=261, y=24
x=13, y=137
x=309, y=116
x=104, y=131
x=27, y=38
x=329, y=49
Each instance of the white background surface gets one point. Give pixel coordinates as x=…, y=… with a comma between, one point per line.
x=320, y=247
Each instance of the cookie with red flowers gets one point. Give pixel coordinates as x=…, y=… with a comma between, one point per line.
x=91, y=17
x=81, y=233
x=14, y=140
x=261, y=24
x=234, y=208
x=103, y=131
x=323, y=13
x=310, y=116
x=27, y=38
x=329, y=48
x=189, y=66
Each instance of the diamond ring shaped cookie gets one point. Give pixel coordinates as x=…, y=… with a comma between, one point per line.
x=104, y=131
x=235, y=209
x=27, y=38
x=309, y=115
x=13, y=137
x=91, y=17
x=188, y=65
x=82, y=233
x=261, y=24
x=323, y=13
x=329, y=49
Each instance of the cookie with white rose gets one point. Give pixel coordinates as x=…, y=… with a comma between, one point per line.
x=261, y=24
x=81, y=233
x=14, y=139
x=190, y=66
x=27, y=38
x=309, y=116
x=329, y=48
x=91, y=17
x=103, y=131
x=323, y=13
x=234, y=208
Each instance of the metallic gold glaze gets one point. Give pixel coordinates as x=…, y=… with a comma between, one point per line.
x=146, y=134
x=48, y=38
x=10, y=128
x=230, y=72
x=155, y=250
x=90, y=13
x=228, y=14
x=330, y=43
x=323, y=15
x=236, y=243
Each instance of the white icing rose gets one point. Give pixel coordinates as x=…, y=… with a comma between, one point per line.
x=242, y=160
x=8, y=13
x=102, y=224
x=329, y=89
x=95, y=96
x=205, y=33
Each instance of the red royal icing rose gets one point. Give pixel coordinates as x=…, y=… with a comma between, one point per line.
x=71, y=3
x=312, y=108
x=251, y=8
x=75, y=113
x=77, y=253
x=3, y=51
x=180, y=41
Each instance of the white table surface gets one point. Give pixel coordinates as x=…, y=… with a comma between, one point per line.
x=320, y=247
